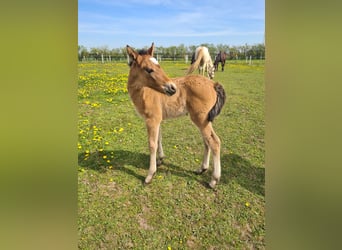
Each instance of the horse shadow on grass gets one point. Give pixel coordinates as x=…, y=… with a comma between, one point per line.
x=123, y=160
x=234, y=168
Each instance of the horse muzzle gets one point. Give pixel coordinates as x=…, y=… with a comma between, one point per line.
x=170, y=89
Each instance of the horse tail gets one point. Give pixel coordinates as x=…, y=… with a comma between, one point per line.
x=220, y=100
x=196, y=63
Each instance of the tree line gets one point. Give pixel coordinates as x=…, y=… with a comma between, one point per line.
x=179, y=52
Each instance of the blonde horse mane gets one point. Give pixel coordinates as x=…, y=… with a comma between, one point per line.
x=203, y=62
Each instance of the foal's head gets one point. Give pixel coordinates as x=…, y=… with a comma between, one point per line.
x=146, y=71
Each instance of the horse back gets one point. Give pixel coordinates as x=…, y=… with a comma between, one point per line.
x=199, y=92
x=195, y=94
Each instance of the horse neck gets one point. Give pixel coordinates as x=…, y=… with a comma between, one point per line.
x=210, y=62
x=218, y=58
x=137, y=90
x=134, y=86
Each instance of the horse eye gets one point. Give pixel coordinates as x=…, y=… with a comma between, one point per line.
x=148, y=70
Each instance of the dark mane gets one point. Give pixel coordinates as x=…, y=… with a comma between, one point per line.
x=142, y=52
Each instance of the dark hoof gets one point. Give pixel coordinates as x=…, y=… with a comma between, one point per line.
x=146, y=183
x=159, y=162
x=201, y=171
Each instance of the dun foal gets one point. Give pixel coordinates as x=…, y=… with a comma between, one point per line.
x=157, y=97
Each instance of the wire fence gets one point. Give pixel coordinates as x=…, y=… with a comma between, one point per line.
x=161, y=57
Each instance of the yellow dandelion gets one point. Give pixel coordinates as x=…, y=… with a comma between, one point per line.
x=121, y=129
x=106, y=143
x=104, y=157
x=247, y=204
x=110, y=167
x=111, y=179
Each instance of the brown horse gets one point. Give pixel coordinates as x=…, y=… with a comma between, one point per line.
x=157, y=97
x=220, y=58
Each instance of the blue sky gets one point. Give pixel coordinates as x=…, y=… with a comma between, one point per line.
x=138, y=23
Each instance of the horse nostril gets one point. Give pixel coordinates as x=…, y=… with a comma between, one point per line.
x=170, y=89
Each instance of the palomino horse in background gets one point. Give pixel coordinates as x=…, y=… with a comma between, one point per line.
x=202, y=60
x=220, y=58
x=157, y=97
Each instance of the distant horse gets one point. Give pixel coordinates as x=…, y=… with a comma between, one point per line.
x=202, y=61
x=157, y=97
x=220, y=58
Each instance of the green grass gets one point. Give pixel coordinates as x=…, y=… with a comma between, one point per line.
x=177, y=210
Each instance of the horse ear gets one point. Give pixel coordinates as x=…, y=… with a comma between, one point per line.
x=151, y=50
x=132, y=55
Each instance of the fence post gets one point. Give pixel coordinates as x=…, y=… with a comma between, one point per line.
x=102, y=58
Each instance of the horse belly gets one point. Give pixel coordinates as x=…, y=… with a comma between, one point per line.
x=173, y=110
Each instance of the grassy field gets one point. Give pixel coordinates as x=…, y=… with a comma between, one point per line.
x=177, y=210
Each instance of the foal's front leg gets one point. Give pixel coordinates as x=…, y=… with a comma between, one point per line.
x=152, y=131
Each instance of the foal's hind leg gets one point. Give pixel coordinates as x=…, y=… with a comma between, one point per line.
x=211, y=139
x=160, y=149
x=206, y=157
